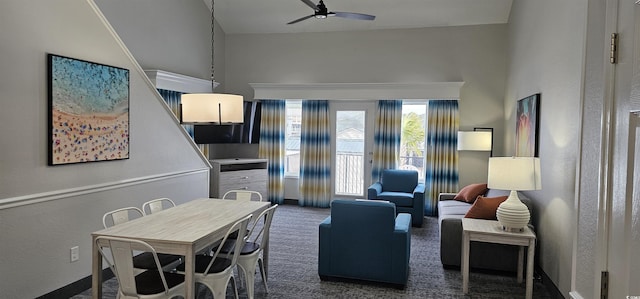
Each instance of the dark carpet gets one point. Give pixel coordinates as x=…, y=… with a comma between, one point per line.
x=293, y=269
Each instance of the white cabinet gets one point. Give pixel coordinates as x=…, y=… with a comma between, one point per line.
x=238, y=174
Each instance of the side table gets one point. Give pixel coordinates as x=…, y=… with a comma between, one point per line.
x=490, y=231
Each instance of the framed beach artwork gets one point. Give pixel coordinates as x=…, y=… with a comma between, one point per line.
x=527, y=127
x=88, y=111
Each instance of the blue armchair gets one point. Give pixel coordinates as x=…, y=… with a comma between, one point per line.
x=401, y=187
x=364, y=240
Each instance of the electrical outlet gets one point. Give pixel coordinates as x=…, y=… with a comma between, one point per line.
x=75, y=253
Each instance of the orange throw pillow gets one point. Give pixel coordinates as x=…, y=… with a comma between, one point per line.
x=485, y=207
x=470, y=192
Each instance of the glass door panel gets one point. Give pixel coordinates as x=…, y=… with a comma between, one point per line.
x=351, y=142
x=349, y=152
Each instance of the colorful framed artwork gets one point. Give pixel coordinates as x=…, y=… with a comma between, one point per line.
x=527, y=127
x=88, y=111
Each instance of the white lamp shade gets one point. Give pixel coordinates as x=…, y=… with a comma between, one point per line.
x=212, y=108
x=474, y=140
x=514, y=173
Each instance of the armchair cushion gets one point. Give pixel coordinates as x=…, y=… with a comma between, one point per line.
x=401, y=199
x=365, y=240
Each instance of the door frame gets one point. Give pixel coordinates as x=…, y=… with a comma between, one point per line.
x=623, y=203
x=616, y=203
x=369, y=107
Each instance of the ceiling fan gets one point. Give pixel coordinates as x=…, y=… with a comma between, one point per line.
x=321, y=12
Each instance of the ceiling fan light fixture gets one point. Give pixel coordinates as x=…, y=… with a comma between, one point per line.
x=320, y=11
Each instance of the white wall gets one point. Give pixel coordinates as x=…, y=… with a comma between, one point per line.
x=473, y=54
x=546, y=48
x=169, y=35
x=45, y=210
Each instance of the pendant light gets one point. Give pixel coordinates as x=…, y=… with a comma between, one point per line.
x=211, y=108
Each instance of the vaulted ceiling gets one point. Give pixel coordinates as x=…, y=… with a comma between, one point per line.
x=272, y=16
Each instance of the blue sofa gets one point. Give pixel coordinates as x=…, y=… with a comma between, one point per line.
x=364, y=240
x=401, y=187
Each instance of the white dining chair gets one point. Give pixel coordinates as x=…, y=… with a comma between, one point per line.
x=122, y=215
x=242, y=195
x=245, y=195
x=216, y=271
x=149, y=284
x=157, y=205
x=251, y=255
x=144, y=260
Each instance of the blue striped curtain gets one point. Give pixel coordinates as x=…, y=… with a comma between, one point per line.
x=315, y=155
x=271, y=146
x=386, y=147
x=172, y=98
x=442, y=154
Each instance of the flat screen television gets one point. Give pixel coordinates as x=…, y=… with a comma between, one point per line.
x=247, y=132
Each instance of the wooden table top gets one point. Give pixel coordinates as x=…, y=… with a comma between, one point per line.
x=185, y=223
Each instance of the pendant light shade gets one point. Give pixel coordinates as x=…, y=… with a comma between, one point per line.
x=212, y=108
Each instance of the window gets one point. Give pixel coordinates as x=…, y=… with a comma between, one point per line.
x=293, y=116
x=413, y=137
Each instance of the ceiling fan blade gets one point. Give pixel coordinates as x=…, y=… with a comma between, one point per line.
x=353, y=15
x=311, y=4
x=300, y=19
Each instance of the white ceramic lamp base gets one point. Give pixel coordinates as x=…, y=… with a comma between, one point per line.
x=512, y=214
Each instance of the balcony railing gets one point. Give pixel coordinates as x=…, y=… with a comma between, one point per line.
x=349, y=174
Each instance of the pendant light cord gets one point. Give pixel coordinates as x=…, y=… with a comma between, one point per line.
x=213, y=80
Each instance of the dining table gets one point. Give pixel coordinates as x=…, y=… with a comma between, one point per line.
x=185, y=229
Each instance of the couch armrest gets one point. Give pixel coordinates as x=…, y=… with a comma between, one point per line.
x=419, y=190
x=450, y=241
x=324, y=258
x=418, y=203
x=401, y=247
x=446, y=196
x=403, y=223
x=374, y=190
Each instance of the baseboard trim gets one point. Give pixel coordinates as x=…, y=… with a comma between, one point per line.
x=546, y=281
x=290, y=201
x=77, y=287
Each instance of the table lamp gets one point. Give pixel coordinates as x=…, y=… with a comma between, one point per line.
x=515, y=174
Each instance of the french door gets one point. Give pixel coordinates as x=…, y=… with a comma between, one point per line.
x=351, y=144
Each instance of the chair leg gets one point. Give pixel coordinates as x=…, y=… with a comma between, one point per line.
x=250, y=277
x=248, y=267
x=264, y=275
x=219, y=287
x=241, y=279
x=235, y=287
